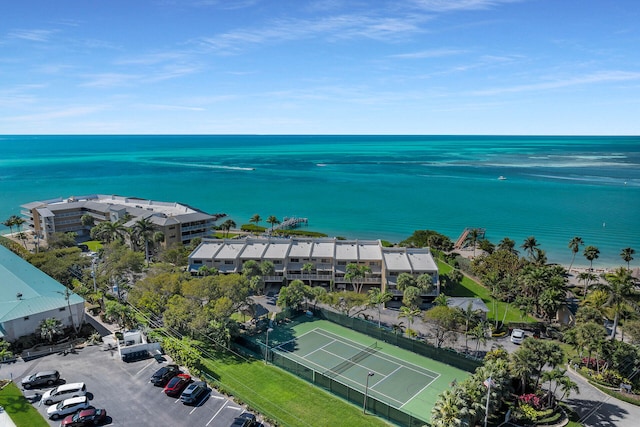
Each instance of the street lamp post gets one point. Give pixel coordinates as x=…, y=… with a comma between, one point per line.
x=266, y=346
x=93, y=273
x=488, y=383
x=366, y=393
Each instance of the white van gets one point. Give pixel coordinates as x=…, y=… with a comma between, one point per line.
x=64, y=391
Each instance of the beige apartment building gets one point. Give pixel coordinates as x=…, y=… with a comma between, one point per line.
x=178, y=222
x=329, y=257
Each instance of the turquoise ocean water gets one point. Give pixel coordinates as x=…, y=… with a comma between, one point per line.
x=358, y=186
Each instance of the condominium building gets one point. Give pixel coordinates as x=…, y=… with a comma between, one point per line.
x=178, y=222
x=328, y=256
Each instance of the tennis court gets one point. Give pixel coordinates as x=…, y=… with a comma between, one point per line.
x=367, y=368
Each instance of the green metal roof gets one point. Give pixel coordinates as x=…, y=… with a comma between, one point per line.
x=25, y=290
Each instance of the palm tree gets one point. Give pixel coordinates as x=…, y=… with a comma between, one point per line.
x=10, y=222
x=425, y=282
x=378, y=299
x=355, y=274
x=5, y=353
x=144, y=229
x=508, y=245
x=273, y=221
x=409, y=314
x=109, y=231
x=529, y=245
x=574, y=245
x=627, y=255
x=397, y=328
x=228, y=225
x=586, y=277
x=470, y=317
x=256, y=219
x=619, y=287
x=447, y=410
x=18, y=223
x=67, y=296
x=590, y=253
x=49, y=328
x=13, y=221
x=308, y=268
x=473, y=236
x=479, y=334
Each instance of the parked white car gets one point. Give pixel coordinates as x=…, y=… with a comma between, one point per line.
x=67, y=406
x=517, y=336
x=64, y=391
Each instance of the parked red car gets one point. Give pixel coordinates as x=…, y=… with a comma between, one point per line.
x=178, y=383
x=86, y=417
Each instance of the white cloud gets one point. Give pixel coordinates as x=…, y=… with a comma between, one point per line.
x=54, y=114
x=32, y=35
x=456, y=5
x=595, y=78
x=431, y=53
x=164, y=107
x=109, y=79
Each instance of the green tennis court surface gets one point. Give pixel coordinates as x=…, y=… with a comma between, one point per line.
x=401, y=379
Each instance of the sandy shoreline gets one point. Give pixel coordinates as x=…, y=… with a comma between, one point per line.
x=575, y=269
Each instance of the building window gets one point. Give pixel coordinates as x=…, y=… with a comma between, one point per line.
x=295, y=260
x=26, y=317
x=63, y=308
x=228, y=262
x=198, y=261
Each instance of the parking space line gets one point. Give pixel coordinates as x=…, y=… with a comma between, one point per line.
x=145, y=367
x=235, y=407
x=216, y=414
x=218, y=397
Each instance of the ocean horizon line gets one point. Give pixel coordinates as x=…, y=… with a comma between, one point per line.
x=541, y=135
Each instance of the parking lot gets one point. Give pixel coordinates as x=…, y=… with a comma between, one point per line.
x=123, y=389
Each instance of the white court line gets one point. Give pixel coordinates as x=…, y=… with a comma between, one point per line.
x=292, y=340
x=421, y=390
x=318, y=349
x=387, y=376
x=419, y=369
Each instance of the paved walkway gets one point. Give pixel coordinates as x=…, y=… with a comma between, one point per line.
x=5, y=420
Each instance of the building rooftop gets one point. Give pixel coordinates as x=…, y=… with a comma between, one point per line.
x=25, y=290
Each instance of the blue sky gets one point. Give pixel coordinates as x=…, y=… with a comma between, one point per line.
x=320, y=67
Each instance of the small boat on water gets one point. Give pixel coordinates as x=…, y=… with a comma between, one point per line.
x=501, y=178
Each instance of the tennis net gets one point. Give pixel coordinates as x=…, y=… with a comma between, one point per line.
x=352, y=361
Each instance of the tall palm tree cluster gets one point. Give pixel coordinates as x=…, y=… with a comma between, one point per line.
x=16, y=221
x=500, y=377
x=142, y=234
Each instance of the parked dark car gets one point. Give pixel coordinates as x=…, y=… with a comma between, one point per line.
x=87, y=417
x=40, y=379
x=176, y=384
x=194, y=393
x=246, y=419
x=162, y=376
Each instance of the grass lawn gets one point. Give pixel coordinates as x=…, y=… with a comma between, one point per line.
x=19, y=409
x=282, y=396
x=470, y=288
x=94, y=245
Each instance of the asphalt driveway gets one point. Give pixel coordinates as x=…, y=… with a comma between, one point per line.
x=123, y=389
